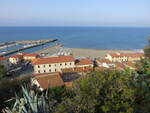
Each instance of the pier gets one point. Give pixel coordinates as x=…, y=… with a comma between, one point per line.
x=33, y=43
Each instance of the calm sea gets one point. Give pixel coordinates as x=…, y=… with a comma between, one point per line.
x=82, y=37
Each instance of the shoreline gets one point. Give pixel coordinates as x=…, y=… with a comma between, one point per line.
x=106, y=49
x=85, y=52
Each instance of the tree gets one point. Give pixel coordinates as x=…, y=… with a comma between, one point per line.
x=111, y=91
x=2, y=71
x=144, y=66
x=147, y=49
x=103, y=92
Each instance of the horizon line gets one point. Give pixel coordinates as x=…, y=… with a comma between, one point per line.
x=121, y=26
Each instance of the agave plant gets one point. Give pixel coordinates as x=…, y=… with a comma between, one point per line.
x=31, y=103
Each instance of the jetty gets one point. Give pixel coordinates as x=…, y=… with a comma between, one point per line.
x=29, y=44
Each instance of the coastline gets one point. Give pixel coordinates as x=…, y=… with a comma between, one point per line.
x=84, y=52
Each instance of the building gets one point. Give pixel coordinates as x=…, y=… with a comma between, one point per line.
x=83, y=64
x=15, y=59
x=49, y=80
x=30, y=57
x=104, y=63
x=135, y=57
x=53, y=64
x=117, y=57
x=124, y=57
x=100, y=68
x=5, y=62
x=119, y=66
x=130, y=65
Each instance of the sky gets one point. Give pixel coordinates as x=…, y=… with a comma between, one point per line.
x=75, y=13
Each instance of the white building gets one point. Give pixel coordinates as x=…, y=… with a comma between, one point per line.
x=48, y=80
x=15, y=59
x=30, y=56
x=83, y=65
x=117, y=57
x=53, y=64
x=104, y=63
x=124, y=57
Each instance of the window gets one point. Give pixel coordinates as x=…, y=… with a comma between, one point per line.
x=38, y=71
x=49, y=65
x=44, y=71
x=44, y=66
x=60, y=64
x=70, y=63
x=50, y=70
x=55, y=69
x=38, y=66
x=65, y=63
x=55, y=65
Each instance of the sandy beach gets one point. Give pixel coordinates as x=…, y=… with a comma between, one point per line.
x=79, y=52
x=95, y=53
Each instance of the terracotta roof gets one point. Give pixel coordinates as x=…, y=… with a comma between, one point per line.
x=83, y=69
x=57, y=59
x=3, y=58
x=32, y=55
x=49, y=80
x=79, y=69
x=136, y=55
x=117, y=54
x=100, y=68
x=16, y=56
x=68, y=84
x=130, y=64
x=127, y=54
x=67, y=70
x=103, y=61
x=84, y=61
x=119, y=65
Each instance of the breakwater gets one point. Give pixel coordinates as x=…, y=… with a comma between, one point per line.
x=31, y=44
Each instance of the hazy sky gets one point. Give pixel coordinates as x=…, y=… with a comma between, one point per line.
x=74, y=12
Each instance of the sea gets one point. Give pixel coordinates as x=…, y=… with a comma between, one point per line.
x=129, y=38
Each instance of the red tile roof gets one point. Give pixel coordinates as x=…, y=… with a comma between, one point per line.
x=103, y=61
x=3, y=58
x=16, y=56
x=31, y=55
x=127, y=54
x=83, y=69
x=117, y=54
x=100, y=68
x=120, y=65
x=68, y=84
x=67, y=70
x=49, y=80
x=134, y=55
x=58, y=59
x=130, y=64
x=84, y=61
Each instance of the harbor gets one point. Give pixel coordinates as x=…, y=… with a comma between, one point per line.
x=17, y=46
